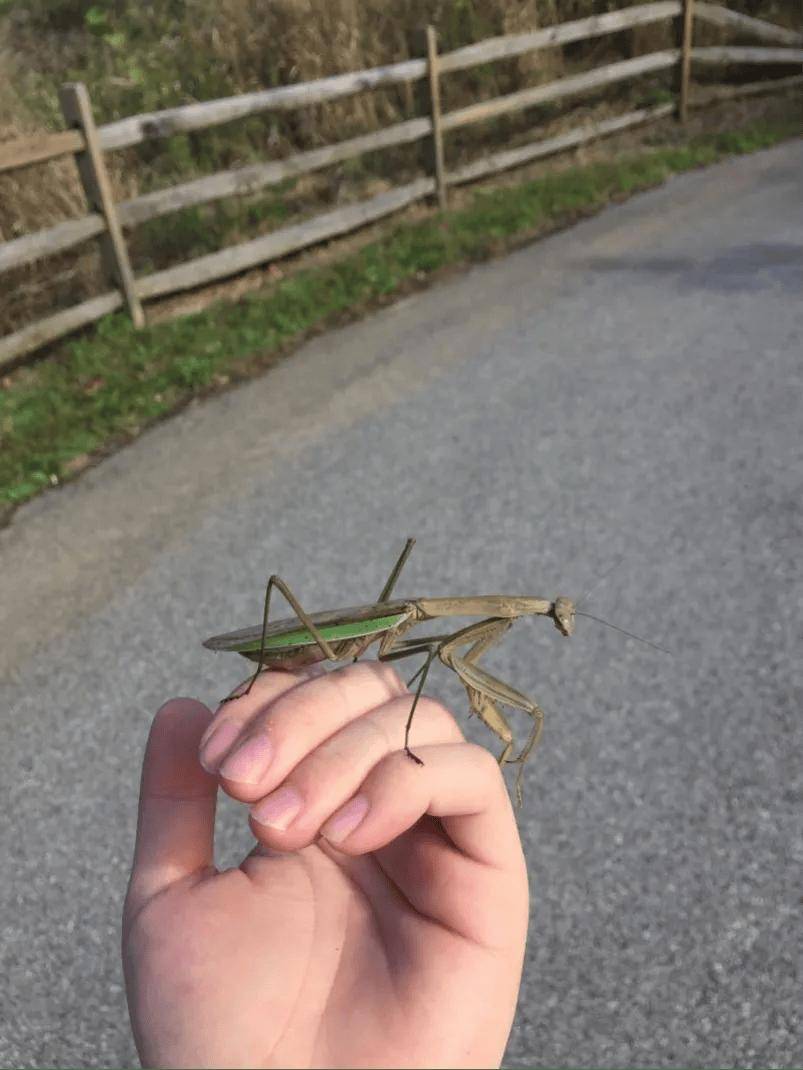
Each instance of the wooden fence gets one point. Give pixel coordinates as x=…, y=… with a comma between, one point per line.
x=107, y=220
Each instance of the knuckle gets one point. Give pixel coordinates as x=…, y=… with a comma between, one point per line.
x=364, y=671
x=380, y=734
x=392, y=763
x=296, y=706
x=391, y=677
x=441, y=711
x=322, y=767
x=348, y=680
x=271, y=684
x=341, y=681
x=485, y=763
x=363, y=742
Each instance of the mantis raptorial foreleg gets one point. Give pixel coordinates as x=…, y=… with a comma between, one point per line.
x=482, y=634
x=492, y=691
x=484, y=690
x=481, y=687
x=276, y=581
x=487, y=633
x=492, y=716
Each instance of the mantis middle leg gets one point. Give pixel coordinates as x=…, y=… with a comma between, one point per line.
x=482, y=634
x=384, y=594
x=392, y=648
x=391, y=583
x=303, y=616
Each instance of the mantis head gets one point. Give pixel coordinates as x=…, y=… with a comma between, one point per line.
x=563, y=614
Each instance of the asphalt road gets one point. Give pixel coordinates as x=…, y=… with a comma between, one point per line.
x=625, y=395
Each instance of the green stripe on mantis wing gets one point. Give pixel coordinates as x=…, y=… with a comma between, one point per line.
x=331, y=632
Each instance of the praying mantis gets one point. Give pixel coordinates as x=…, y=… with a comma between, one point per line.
x=340, y=634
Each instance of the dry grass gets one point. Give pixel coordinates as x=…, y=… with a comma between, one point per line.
x=158, y=54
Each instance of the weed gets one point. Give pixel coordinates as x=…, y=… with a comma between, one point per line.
x=114, y=381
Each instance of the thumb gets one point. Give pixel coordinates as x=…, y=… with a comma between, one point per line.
x=176, y=824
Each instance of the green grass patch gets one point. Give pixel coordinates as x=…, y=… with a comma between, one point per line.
x=104, y=388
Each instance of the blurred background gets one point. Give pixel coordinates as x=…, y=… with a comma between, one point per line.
x=154, y=55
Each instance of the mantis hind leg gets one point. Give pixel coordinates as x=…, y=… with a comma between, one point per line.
x=384, y=594
x=303, y=616
x=393, y=577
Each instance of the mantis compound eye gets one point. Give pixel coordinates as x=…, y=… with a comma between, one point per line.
x=564, y=615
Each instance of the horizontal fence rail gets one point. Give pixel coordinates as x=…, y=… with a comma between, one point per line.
x=571, y=139
x=56, y=239
x=105, y=220
x=39, y=149
x=563, y=87
x=54, y=327
x=731, y=54
x=747, y=89
x=512, y=45
x=251, y=179
x=249, y=254
x=190, y=117
x=734, y=20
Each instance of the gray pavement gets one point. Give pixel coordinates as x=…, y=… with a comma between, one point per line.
x=626, y=393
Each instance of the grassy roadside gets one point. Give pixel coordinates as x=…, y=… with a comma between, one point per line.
x=102, y=389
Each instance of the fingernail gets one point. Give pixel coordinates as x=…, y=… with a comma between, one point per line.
x=278, y=809
x=345, y=820
x=249, y=762
x=217, y=745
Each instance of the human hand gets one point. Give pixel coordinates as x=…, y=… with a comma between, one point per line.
x=399, y=943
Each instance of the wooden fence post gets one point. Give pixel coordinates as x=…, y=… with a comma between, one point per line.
x=77, y=111
x=685, y=59
x=435, y=113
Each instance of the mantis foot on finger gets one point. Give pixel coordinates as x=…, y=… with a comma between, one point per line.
x=239, y=694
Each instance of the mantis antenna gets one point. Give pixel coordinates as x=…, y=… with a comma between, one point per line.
x=595, y=587
x=624, y=631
